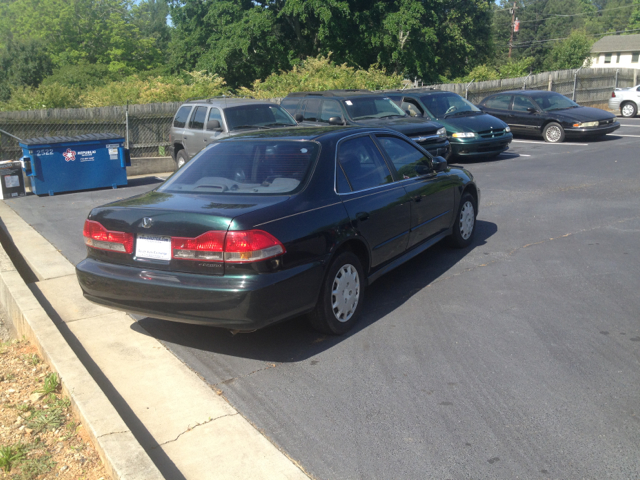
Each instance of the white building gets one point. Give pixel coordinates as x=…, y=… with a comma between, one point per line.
x=616, y=51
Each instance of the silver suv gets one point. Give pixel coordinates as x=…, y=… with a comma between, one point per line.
x=625, y=100
x=199, y=122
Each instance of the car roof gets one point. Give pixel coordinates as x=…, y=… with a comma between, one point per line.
x=334, y=93
x=224, y=102
x=307, y=133
x=526, y=92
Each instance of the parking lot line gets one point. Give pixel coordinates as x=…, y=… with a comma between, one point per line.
x=621, y=135
x=540, y=142
x=625, y=125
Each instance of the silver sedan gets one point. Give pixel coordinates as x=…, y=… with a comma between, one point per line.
x=625, y=100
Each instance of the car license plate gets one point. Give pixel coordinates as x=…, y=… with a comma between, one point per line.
x=154, y=247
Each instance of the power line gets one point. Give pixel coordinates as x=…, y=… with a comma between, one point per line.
x=557, y=15
x=532, y=42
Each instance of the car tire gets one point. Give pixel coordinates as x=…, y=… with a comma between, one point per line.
x=465, y=224
x=341, y=296
x=553, y=133
x=181, y=158
x=628, y=109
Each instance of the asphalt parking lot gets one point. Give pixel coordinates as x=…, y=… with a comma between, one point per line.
x=516, y=358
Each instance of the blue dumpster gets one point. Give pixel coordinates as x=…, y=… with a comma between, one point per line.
x=67, y=164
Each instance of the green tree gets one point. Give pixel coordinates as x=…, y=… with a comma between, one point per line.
x=570, y=53
x=22, y=63
x=242, y=40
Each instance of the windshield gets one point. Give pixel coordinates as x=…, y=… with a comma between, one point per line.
x=443, y=104
x=372, y=107
x=253, y=167
x=553, y=101
x=257, y=116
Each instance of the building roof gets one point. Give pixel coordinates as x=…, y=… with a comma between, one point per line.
x=617, y=43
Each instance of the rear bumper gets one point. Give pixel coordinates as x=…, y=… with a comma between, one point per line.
x=590, y=132
x=482, y=146
x=239, y=303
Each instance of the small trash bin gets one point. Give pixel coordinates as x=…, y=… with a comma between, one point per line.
x=67, y=164
x=11, y=179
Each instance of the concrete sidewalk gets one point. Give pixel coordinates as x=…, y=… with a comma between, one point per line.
x=186, y=428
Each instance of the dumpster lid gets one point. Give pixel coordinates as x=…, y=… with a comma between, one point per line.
x=78, y=138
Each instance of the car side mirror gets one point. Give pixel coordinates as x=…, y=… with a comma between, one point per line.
x=439, y=164
x=298, y=117
x=532, y=110
x=214, y=125
x=336, y=121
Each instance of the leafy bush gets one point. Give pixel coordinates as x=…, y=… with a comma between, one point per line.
x=135, y=90
x=321, y=73
x=45, y=96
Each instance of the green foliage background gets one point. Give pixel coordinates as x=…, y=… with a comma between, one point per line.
x=80, y=53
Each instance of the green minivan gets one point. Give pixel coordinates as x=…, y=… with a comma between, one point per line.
x=471, y=132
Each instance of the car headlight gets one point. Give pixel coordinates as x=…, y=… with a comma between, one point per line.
x=508, y=129
x=586, y=124
x=464, y=135
x=442, y=132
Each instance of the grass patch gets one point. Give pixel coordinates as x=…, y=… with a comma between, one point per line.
x=11, y=455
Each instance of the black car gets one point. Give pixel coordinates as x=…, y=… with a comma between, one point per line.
x=366, y=109
x=548, y=114
x=263, y=227
x=471, y=132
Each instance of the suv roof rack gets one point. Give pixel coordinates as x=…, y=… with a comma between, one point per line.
x=330, y=93
x=211, y=99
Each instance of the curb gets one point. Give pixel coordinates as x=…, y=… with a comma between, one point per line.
x=123, y=457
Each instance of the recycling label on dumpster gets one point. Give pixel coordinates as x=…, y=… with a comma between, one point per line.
x=113, y=151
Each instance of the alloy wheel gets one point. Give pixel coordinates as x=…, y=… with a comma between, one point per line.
x=554, y=134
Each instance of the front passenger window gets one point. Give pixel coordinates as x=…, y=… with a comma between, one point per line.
x=408, y=160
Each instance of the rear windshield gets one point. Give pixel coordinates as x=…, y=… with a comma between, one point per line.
x=258, y=116
x=248, y=167
x=372, y=107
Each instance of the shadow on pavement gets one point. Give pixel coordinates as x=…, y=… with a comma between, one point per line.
x=294, y=340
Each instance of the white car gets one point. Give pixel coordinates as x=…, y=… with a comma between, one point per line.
x=625, y=100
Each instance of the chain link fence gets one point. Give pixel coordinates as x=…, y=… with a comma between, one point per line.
x=146, y=127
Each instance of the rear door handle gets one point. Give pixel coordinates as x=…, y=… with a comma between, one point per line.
x=417, y=198
x=362, y=216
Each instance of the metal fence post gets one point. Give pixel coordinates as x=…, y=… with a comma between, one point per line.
x=466, y=89
x=616, y=84
x=550, y=83
x=126, y=123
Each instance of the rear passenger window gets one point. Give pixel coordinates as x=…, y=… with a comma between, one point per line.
x=361, y=161
x=500, y=102
x=181, y=117
x=408, y=160
x=197, y=119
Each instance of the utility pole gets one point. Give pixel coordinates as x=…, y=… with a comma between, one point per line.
x=513, y=23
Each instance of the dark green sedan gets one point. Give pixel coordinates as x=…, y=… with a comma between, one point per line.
x=263, y=227
x=471, y=132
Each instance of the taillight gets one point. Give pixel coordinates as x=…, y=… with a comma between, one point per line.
x=251, y=246
x=96, y=236
x=232, y=247
x=613, y=94
x=207, y=247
